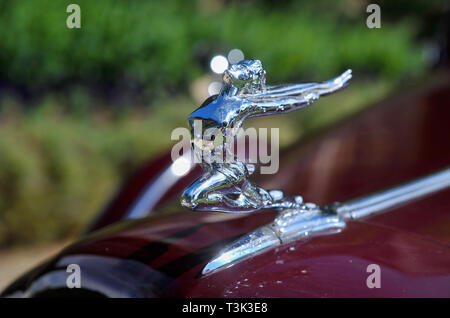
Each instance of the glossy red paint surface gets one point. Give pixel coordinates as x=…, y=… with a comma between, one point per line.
x=402, y=138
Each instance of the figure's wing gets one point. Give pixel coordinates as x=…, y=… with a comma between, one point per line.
x=285, y=98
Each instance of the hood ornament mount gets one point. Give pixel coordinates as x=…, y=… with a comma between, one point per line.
x=290, y=225
x=225, y=184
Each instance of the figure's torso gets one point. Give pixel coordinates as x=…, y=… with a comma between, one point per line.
x=223, y=110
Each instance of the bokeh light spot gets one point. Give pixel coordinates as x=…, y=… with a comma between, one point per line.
x=235, y=56
x=214, y=88
x=219, y=64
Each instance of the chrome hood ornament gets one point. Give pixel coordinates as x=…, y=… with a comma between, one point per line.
x=225, y=184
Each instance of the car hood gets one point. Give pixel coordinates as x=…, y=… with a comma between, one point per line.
x=163, y=255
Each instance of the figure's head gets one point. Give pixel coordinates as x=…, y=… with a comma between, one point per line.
x=247, y=76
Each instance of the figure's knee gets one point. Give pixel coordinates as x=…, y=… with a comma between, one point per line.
x=186, y=201
x=192, y=197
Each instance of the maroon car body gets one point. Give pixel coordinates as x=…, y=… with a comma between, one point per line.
x=162, y=255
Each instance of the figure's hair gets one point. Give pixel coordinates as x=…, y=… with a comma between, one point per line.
x=248, y=76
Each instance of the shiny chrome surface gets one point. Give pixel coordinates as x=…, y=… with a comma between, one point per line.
x=288, y=226
x=251, y=244
x=224, y=186
x=310, y=220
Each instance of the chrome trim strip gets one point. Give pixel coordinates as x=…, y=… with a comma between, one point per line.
x=378, y=202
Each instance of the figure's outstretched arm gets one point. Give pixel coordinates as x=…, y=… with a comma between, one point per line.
x=281, y=99
x=334, y=84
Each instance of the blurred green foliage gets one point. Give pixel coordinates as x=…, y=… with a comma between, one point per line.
x=163, y=45
x=58, y=170
x=63, y=151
